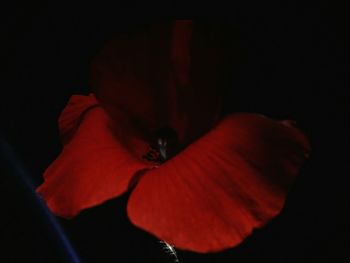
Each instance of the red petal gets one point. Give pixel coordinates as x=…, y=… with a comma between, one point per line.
x=97, y=162
x=72, y=114
x=213, y=194
x=131, y=73
x=166, y=76
x=180, y=50
x=196, y=81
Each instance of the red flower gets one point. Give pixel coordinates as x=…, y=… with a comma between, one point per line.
x=201, y=183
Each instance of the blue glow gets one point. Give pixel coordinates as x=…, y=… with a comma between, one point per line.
x=10, y=157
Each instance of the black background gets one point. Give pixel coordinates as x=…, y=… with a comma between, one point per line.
x=286, y=61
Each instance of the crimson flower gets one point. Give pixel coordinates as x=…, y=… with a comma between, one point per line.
x=200, y=181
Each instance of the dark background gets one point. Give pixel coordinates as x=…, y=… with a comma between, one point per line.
x=286, y=61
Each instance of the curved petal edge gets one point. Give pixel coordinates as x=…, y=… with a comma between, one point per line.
x=234, y=179
x=98, y=161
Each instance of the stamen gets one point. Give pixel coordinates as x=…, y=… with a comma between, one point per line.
x=162, y=143
x=169, y=249
x=153, y=155
x=163, y=147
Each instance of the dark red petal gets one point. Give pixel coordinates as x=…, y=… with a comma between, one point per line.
x=97, y=162
x=72, y=114
x=196, y=61
x=131, y=74
x=166, y=76
x=180, y=50
x=213, y=194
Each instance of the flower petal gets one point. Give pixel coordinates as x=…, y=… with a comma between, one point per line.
x=232, y=180
x=131, y=72
x=197, y=96
x=98, y=161
x=166, y=76
x=73, y=113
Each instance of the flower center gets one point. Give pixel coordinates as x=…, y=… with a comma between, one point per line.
x=163, y=147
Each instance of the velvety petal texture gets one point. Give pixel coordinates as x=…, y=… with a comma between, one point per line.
x=232, y=180
x=100, y=157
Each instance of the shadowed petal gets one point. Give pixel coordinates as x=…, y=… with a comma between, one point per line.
x=213, y=194
x=98, y=161
x=131, y=72
x=166, y=75
x=73, y=113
